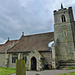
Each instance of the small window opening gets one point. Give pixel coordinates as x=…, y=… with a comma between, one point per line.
x=65, y=33
x=63, y=18
x=25, y=57
x=14, y=58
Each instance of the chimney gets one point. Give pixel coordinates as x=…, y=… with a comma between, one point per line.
x=22, y=33
x=8, y=38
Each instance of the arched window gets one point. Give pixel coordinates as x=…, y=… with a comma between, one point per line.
x=63, y=18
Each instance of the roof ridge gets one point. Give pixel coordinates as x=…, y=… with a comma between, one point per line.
x=13, y=40
x=38, y=34
x=1, y=44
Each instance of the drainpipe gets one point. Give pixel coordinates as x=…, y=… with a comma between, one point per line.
x=51, y=56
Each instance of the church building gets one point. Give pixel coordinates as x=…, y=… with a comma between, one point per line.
x=34, y=48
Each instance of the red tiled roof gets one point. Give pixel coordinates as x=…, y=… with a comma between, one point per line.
x=7, y=45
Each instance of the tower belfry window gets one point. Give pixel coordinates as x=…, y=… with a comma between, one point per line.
x=63, y=18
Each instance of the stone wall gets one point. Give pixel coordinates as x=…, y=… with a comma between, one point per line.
x=64, y=32
x=38, y=57
x=53, y=57
x=47, y=56
x=35, y=54
x=13, y=65
x=2, y=60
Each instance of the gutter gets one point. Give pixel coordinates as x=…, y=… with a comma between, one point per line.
x=28, y=51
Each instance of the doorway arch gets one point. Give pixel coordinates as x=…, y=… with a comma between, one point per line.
x=33, y=63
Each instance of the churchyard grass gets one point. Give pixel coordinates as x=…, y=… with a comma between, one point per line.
x=70, y=68
x=7, y=71
x=72, y=73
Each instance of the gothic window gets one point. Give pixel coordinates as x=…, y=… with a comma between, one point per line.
x=14, y=58
x=63, y=18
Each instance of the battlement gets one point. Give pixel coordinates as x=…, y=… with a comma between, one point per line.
x=62, y=10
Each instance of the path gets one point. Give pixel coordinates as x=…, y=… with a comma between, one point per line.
x=47, y=72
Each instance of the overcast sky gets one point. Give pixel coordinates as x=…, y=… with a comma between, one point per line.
x=28, y=16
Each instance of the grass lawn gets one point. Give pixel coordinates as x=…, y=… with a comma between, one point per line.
x=7, y=71
x=72, y=73
x=70, y=68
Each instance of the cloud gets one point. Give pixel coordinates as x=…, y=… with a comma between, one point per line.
x=2, y=40
x=30, y=16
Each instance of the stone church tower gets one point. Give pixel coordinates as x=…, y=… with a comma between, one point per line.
x=64, y=36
